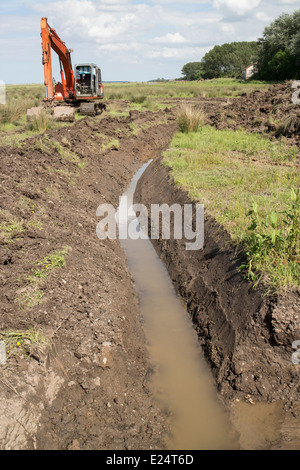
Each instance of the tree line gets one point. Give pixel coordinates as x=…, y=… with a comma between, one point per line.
x=276, y=54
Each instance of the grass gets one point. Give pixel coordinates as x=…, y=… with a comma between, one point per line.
x=12, y=112
x=181, y=89
x=289, y=125
x=275, y=241
x=232, y=172
x=10, y=227
x=190, y=118
x=41, y=122
x=51, y=261
x=18, y=99
x=14, y=128
x=31, y=294
x=18, y=342
x=112, y=144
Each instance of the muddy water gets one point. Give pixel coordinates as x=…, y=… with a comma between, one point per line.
x=181, y=379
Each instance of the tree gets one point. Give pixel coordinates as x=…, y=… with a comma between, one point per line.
x=229, y=59
x=192, y=71
x=279, y=49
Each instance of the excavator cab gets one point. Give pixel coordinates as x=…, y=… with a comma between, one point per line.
x=88, y=83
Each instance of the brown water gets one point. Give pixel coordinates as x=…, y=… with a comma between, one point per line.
x=182, y=382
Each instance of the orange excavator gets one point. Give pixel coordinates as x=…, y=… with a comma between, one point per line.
x=81, y=88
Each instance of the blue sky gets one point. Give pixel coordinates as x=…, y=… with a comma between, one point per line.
x=135, y=40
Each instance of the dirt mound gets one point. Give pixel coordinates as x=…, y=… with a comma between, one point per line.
x=85, y=385
x=271, y=111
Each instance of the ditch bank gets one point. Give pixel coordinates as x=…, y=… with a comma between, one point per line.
x=82, y=383
x=246, y=337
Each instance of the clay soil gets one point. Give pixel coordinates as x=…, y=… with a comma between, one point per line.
x=87, y=386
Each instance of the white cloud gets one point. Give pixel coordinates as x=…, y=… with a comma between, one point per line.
x=176, y=53
x=172, y=38
x=16, y=23
x=262, y=16
x=241, y=7
x=228, y=28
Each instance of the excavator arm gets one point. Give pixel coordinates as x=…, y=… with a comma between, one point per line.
x=51, y=40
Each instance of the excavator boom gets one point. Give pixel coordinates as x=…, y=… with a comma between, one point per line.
x=50, y=39
x=47, y=59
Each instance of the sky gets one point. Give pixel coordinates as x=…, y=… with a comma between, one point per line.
x=130, y=40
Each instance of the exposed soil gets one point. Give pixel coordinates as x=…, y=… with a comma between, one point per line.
x=88, y=387
x=271, y=111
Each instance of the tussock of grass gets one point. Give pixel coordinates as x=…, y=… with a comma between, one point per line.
x=290, y=125
x=11, y=112
x=190, y=118
x=138, y=98
x=41, y=122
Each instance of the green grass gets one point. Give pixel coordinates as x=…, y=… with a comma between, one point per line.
x=274, y=241
x=213, y=142
x=18, y=99
x=114, y=143
x=51, y=261
x=32, y=294
x=18, y=342
x=10, y=227
x=181, y=89
x=229, y=172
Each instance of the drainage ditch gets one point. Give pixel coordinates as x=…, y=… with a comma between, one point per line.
x=181, y=380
